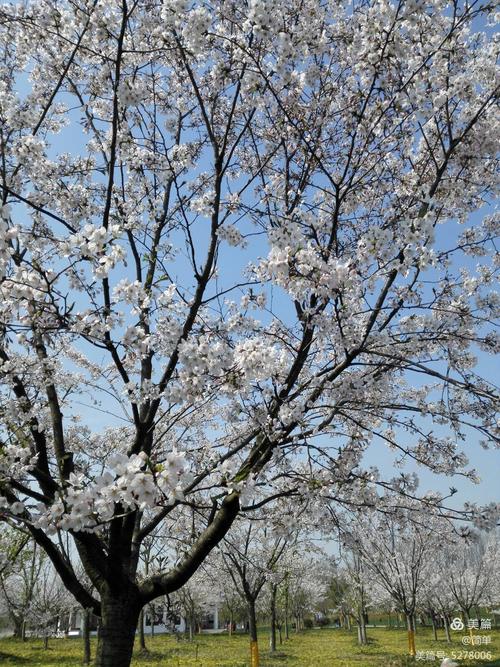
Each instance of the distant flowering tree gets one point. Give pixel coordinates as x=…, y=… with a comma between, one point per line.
x=227, y=231
x=397, y=549
x=471, y=573
x=358, y=593
x=20, y=564
x=251, y=554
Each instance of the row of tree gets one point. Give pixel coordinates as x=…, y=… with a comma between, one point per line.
x=409, y=563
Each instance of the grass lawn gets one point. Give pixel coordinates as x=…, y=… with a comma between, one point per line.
x=312, y=648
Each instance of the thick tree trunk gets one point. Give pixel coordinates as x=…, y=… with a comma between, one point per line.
x=19, y=627
x=86, y=636
x=119, y=618
x=252, y=629
x=272, y=638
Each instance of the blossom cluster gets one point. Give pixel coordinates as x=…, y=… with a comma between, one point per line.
x=129, y=483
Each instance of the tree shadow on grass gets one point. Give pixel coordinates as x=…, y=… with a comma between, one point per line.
x=157, y=656
x=13, y=659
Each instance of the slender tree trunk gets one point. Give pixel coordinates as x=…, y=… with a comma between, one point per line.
x=86, y=636
x=192, y=624
x=287, y=629
x=119, y=618
x=361, y=628
x=231, y=620
x=23, y=630
x=46, y=641
x=447, y=628
x=272, y=638
x=410, y=624
x=434, y=626
x=142, y=638
x=252, y=629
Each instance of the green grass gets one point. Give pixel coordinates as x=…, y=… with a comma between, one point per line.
x=312, y=648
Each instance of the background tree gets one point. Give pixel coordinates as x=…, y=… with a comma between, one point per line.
x=251, y=553
x=470, y=572
x=357, y=596
x=22, y=564
x=251, y=245
x=396, y=549
x=50, y=601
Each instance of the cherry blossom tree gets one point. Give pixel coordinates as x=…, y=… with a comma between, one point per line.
x=470, y=571
x=397, y=549
x=251, y=553
x=436, y=599
x=19, y=565
x=357, y=576
x=236, y=248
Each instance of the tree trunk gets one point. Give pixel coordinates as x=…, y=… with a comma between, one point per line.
x=361, y=628
x=86, y=636
x=119, y=618
x=18, y=625
x=23, y=630
x=191, y=626
x=447, y=628
x=142, y=638
x=434, y=626
x=252, y=629
x=410, y=624
x=287, y=629
x=272, y=638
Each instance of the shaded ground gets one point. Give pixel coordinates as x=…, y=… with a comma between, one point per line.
x=312, y=648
